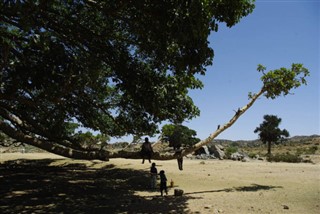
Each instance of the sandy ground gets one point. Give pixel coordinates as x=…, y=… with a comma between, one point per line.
x=210, y=186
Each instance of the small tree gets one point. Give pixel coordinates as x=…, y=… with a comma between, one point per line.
x=269, y=131
x=179, y=135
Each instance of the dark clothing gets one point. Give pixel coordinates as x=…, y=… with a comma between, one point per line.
x=178, y=154
x=153, y=170
x=146, y=151
x=163, y=186
x=154, y=174
x=163, y=183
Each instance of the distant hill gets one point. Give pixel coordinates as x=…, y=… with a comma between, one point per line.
x=257, y=142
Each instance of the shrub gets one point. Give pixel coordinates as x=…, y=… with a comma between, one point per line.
x=287, y=157
x=230, y=150
x=312, y=150
x=300, y=151
x=252, y=155
x=308, y=151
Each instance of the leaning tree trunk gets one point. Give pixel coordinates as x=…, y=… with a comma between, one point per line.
x=157, y=156
x=104, y=155
x=52, y=146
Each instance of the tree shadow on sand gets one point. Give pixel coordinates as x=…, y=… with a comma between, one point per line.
x=37, y=186
x=252, y=188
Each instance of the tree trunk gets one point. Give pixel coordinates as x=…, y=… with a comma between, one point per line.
x=269, y=148
x=105, y=155
x=51, y=146
x=238, y=113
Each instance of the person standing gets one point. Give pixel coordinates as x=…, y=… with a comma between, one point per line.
x=178, y=154
x=146, y=150
x=163, y=183
x=154, y=174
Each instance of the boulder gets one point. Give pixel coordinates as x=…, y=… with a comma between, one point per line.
x=218, y=151
x=240, y=157
x=202, y=150
x=236, y=156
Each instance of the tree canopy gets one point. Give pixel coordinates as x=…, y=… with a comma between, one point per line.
x=179, y=135
x=119, y=67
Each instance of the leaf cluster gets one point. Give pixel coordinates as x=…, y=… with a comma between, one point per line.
x=280, y=81
x=179, y=135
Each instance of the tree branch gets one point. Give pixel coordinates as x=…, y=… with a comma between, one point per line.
x=105, y=155
x=51, y=146
x=170, y=156
x=225, y=126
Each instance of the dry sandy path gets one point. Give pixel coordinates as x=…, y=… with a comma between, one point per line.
x=213, y=186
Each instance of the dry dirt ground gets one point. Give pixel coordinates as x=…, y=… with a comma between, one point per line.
x=46, y=183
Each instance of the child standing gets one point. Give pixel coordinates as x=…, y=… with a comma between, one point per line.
x=163, y=183
x=154, y=174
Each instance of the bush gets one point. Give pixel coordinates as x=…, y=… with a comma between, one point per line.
x=289, y=158
x=252, y=155
x=307, y=151
x=230, y=150
x=312, y=150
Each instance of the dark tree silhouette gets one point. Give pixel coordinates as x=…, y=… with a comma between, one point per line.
x=269, y=131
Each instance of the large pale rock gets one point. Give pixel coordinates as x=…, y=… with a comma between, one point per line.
x=218, y=152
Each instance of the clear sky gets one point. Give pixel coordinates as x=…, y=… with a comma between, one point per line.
x=277, y=34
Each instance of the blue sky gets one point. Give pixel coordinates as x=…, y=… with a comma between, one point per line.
x=276, y=34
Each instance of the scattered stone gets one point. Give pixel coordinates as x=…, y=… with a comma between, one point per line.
x=208, y=207
x=285, y=207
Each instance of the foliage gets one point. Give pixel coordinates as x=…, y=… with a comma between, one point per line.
x=230, y=150
x=287, y=157
x=280, y=81
x=307, y=151
x=252, y=155
x=89, y=138
x=269, y=131
x=116, y=67
x=179, y=135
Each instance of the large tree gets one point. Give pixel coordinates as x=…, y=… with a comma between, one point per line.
x=269, y=131
x=118, y=67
